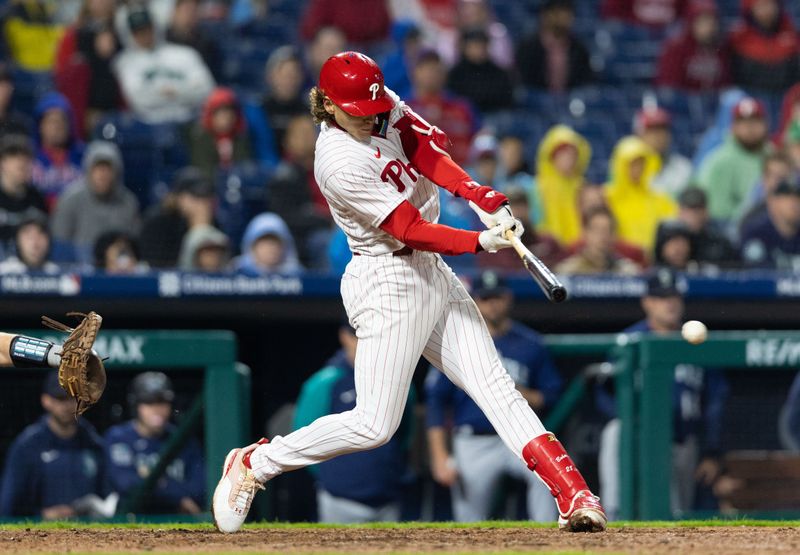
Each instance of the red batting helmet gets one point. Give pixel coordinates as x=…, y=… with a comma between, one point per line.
x=354, y=82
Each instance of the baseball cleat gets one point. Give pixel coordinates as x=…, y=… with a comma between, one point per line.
x=585, y=514
x=578, y=509
x=236, y=489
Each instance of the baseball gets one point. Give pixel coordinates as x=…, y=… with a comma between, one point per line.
x=694, y=331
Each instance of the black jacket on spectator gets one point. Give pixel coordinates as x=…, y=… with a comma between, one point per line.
x=14, y=210
x=278, y=114
x=762, y=246
x=711, y=246
x=206, y=46
x=531, y=62
x=14, y=123
x=290, y=198
x=487, y=85
x=161, y=237
x=103, y=92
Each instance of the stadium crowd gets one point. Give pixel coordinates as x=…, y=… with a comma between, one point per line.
x=176, y=133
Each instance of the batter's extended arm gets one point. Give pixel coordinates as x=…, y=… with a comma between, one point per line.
x=425, y=145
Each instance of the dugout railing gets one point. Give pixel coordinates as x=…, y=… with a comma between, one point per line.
x=643, y=374
x=223, y=403
x=644, y=385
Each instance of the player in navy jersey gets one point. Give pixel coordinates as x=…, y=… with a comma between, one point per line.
x=132, y=450
x=53, y=463
x=698, y=399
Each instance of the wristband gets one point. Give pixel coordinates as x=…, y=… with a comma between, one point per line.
x=29, y=352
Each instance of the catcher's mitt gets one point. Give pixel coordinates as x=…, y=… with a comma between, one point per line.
x=81, y=372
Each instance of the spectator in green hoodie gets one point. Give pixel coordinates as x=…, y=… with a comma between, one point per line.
x=730, y=172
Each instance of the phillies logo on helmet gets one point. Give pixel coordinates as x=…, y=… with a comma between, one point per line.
x=354, y=82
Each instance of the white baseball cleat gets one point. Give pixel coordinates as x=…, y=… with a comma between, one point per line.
x=236, y=489
x=585, y=514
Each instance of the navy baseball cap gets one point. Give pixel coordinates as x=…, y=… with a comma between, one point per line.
x=489, y=284
x=139, y=18
x=193, y=181
x=51, y=387
x=151, y=387
x=663, y=283
x=693, y=197
x=789, y=186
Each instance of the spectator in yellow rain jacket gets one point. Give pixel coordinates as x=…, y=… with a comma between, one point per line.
x=32, y=33
x=637, y=207
x=560, y=168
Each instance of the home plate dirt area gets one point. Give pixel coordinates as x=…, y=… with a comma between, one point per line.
x=484, y=538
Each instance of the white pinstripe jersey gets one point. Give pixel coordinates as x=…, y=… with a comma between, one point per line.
x=364, y=182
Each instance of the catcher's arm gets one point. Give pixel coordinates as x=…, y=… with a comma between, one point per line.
x=80, y=370
x=5, y=348
x=28, y=352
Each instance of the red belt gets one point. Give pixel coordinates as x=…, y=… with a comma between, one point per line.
x=405, y=251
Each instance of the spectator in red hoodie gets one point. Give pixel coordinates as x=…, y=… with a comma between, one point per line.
x=362, y=21
x=696, y=59
x=765, y=47
x=653, y=13
x=220, y=139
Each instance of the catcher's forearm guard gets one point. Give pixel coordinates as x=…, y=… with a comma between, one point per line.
x=29, y=352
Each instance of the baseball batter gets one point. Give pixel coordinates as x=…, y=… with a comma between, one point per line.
x=378, y=165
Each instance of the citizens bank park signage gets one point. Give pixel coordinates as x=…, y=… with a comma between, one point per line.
x=173, y=284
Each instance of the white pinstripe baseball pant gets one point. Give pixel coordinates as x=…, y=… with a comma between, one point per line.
x=403, y=307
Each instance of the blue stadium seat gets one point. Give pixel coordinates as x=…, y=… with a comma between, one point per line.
x=684, y=139
x=514, y=15
x=242, y=194
x=530, y=125
x=245, y=59
x=276, y=28
x=626, y=53
x=544, y=103
x=290, y=9
x=29, y=86
x=607, y=100
x=675, y=102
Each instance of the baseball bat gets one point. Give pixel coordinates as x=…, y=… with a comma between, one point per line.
x=552, y=288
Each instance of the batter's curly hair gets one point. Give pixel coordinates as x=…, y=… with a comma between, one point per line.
x=316, y=99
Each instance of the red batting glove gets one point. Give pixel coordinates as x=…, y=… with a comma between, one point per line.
x=486, y=198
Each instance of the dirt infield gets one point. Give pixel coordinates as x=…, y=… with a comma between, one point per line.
x=681, y=540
